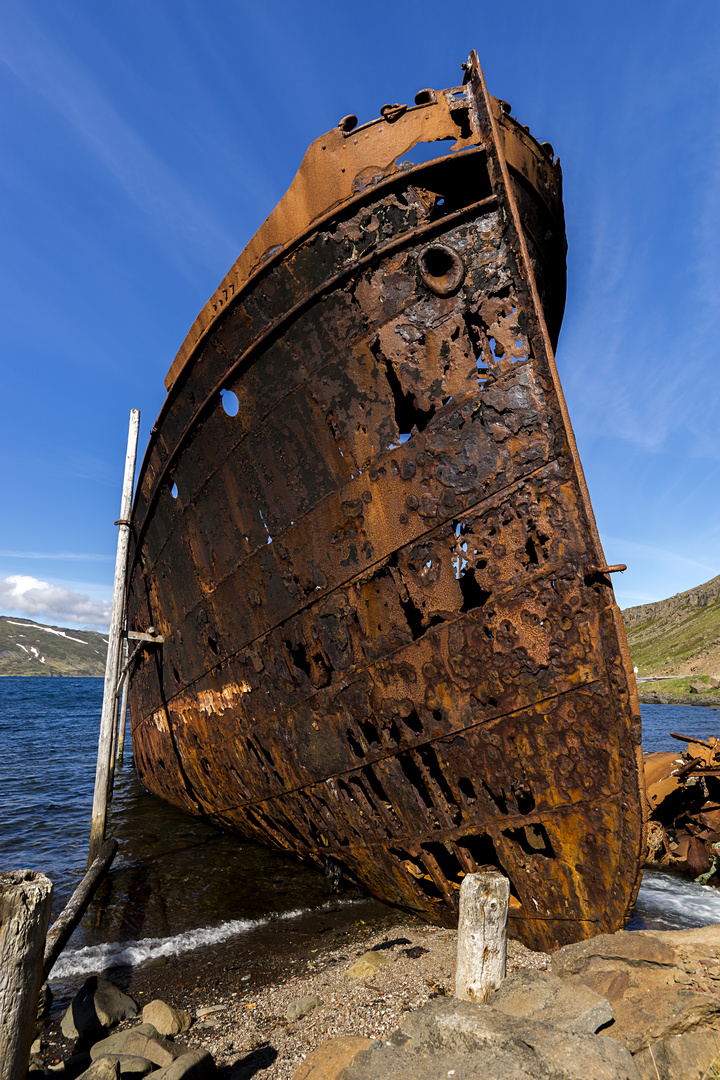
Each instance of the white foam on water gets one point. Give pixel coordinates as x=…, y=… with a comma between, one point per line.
x=93, y=959
x=675, y=903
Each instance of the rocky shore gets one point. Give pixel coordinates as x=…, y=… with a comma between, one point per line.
x=642, y=1005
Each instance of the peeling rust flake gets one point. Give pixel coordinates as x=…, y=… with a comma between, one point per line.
x=390, y=642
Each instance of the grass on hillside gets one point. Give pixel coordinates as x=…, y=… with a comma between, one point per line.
x=26, y=648
x=661, y=644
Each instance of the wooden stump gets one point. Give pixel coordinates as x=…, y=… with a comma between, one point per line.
x=482, y=935
x=25, y=902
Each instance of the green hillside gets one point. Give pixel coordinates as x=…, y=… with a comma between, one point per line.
x=679, y=636
x=30, y=648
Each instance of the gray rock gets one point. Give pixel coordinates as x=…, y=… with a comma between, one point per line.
x=167, y=1019
x=210, y=1009
x=632, y=949
x=302, y=1006
x=685, y=1057
x=194, y=1065
x=475, y=1042
x=366, y=965
x=97, y=1005
x=141, y=1041
x=132, y=1066
x=104, y=1068
x=547, y=999
x=642, y=977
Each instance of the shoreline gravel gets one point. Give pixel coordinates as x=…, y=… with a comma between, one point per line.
x=239, y=1009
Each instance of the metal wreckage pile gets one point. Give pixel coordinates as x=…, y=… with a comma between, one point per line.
x=683, y=794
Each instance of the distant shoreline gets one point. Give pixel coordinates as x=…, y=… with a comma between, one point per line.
x=50, y=675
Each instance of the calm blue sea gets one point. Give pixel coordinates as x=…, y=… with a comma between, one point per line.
x=178, y=883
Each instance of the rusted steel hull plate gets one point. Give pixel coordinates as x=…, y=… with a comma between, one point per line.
x=362, y=530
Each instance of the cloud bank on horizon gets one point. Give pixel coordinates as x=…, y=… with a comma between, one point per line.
x=21, y=594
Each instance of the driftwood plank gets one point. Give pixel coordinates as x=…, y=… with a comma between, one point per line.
x=25, y=903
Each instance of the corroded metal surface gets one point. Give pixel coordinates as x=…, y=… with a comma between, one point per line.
x=683, y=793
x=390, y=640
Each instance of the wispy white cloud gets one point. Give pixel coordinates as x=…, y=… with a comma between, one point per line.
x=177, y=216
x=661, y=555
x=63, y=556
x=21, y=594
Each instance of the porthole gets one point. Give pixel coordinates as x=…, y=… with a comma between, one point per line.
x=441, y=269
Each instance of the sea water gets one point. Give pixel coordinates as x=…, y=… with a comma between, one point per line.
x=177, y=883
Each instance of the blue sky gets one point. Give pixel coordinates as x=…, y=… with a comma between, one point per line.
x=143, y=144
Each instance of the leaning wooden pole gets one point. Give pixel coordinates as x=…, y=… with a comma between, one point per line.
x=122, y=719
x=25, y=902
x=109, y=707
x=119, y=682
x=59, y=933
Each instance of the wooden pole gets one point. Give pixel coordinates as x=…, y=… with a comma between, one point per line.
x=482, y=936
x=59, y=933
x=122, y=722
x=25, y=902
x=109, y=707
x=119, y=681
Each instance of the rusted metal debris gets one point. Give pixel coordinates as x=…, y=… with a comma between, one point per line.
x=390, y=639
x=683, y=794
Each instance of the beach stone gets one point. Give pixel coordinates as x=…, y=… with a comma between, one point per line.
x=366, y=965
x=98, y=1004
x=546, y=998
x=642, y=976
x=210, y=1009
x=193, y=1065
x=130, y=1065
x=141, y=1041
x=680, y=1057
x=302, y=1006
x=105, y=1068
x=328, y=1061
x=467, y=1041
x=631, y=948
x=167, y=1020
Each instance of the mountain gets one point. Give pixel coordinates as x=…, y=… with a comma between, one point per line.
x=679, y=636
x=30, y=648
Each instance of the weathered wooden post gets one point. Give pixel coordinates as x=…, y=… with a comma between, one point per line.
x=120, y=682
x=109, y=707
x=482, y=935
x=122, y=719
x=25, y=902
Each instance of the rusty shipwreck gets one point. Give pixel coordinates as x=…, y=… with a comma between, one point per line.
x=391, y=643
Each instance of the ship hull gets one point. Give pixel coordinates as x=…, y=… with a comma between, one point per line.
x=390, y=642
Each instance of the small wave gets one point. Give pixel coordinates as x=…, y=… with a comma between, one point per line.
x=92, y=959
x=673, y=903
